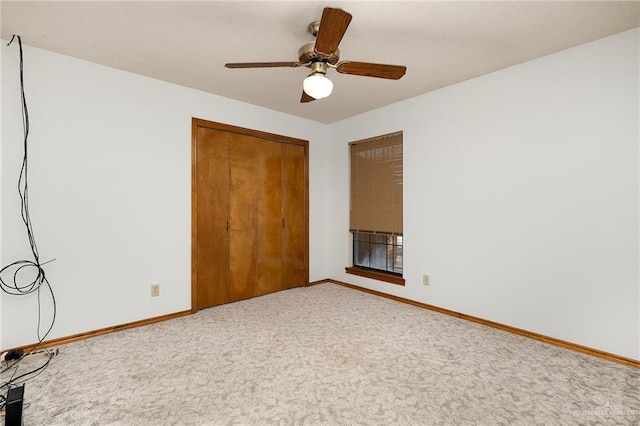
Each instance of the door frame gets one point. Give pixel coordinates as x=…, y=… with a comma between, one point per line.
x=195, y=124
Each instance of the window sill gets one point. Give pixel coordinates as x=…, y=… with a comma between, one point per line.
x=375, y=275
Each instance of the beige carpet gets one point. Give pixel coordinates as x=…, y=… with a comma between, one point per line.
x=327, y=355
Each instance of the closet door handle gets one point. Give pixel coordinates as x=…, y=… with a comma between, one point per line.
x=283, y=223
x=227, y=226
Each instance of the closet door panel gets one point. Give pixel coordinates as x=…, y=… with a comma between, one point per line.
x=294, y=206
x=268, y=165
x=212, y=214
x=243, y=235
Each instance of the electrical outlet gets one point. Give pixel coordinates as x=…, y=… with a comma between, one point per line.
x=155, y=290
x=425, y=279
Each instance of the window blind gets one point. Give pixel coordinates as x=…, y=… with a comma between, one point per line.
x=376, y=185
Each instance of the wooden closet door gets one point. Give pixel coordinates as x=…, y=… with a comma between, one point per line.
x=249, y=211
x=294, y=212
x=268, y=168
x=211, y=200
x=243, y=235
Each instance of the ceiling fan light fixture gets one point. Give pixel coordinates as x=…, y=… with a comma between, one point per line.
x=317, y=85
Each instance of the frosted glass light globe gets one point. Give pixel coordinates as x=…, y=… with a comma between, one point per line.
x=317, y=85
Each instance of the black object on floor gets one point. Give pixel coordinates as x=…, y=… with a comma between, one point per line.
x=13, y=409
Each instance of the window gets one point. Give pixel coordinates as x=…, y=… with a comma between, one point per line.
x=378, y=251
x=376, y=207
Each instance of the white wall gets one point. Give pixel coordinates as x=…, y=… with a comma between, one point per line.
x=110, y=188
x=520, y=195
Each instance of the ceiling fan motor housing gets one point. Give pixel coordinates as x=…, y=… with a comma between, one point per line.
x=307, y=54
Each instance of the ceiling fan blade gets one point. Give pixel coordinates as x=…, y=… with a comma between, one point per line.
x=262, y=64
x=333, y=24
x=306, y=98
x=393, y=72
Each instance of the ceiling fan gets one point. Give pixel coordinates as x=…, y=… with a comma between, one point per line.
x=323, y=54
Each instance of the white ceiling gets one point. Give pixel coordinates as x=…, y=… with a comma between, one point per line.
x=188, y=43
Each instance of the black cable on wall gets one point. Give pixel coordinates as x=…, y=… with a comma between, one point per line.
x=12, y=279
